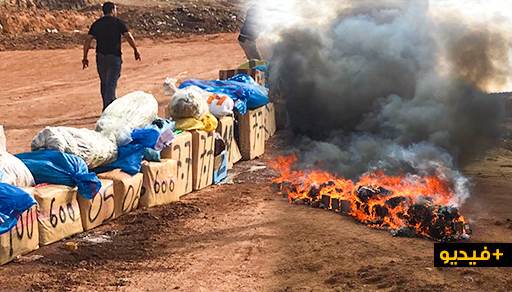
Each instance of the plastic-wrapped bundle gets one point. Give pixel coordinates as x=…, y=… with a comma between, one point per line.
x=244, y=91
x=132, y=111
x=220, y=104
x=130, y=156
x=13, y=202
x=181, y=105
x=12, y=170
x=95, y=148
x=188, y=103
x=54, y=167
x=166, y=129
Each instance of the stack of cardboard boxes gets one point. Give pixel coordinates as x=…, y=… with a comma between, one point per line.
x=188, y=164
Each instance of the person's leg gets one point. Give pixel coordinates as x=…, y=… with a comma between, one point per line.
x=101, y=66
x=251, y=49
x=112, y=75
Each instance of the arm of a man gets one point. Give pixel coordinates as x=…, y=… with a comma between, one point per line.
x=131, y=41
x=87, y=46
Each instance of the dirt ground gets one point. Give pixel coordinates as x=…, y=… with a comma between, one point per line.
x=234, y=237
x=49, y=88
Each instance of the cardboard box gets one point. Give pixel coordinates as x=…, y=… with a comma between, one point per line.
x=257, y=75
x=101, y=208
x=203, y=144
x=58, y=214
x=127, y=189
x=22, y=238
x=181, y=151
x=220, y=170
x=29, y=190
x=251, y=133
x=159, y=183
x=269, y=120
x=226, y=129
x=282, y=118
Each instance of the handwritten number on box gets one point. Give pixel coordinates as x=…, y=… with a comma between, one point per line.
x=54, y=221
x=134, y=199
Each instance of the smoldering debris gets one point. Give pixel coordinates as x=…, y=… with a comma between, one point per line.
x=388, y=86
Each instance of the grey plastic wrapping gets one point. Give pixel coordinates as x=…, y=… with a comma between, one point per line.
x=132, y=111
x=188, y=102
x=95, y=148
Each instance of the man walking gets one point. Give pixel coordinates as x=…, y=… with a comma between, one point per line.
x=107, y=31
x=253, y=26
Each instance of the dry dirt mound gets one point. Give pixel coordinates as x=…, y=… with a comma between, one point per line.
x=24, y=28
x=50, y=4
x=16, y=21
x=186, y=19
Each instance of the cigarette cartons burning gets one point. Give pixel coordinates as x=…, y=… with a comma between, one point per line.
x=407, y=205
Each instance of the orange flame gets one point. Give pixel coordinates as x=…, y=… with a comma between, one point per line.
x=378, y=200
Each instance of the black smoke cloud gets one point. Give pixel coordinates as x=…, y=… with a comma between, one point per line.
x=385, y=86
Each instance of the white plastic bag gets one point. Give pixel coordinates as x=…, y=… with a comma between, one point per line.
x=95, y=148
x=12, y=170
x=170, y=86
x=220, y=105
x=132, y=111
x=188, y=102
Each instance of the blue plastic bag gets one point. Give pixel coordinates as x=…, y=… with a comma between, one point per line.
x=151, y=155
x=264, y=69
x=241, y=106
x=166, y=128
x=255, y=94
x=54, y=167
x=13, y=202
x=129, y=157
x=241, y=88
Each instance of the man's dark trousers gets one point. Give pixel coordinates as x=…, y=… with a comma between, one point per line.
x=109, y=69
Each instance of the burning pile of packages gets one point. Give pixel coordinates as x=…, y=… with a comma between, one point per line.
x=77, y=179
x=407, y=205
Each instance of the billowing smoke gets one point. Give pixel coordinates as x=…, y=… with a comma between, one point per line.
x=388, y=85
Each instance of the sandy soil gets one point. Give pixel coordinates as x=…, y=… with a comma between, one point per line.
x=234, y=237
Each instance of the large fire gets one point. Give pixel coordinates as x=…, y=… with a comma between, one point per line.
x=408, y=205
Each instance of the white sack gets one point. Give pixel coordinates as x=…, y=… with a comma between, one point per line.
x=188, y=102
x=93, y=147
x=12, y=170
x=132, y=111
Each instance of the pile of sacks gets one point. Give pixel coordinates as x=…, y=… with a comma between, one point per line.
x=196, y=103
x=100, y=146
x=129, y=126
x=65, y=155
x=128, y=132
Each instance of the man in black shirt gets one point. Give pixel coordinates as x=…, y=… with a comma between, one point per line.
x=107, y=31
x=253, y=26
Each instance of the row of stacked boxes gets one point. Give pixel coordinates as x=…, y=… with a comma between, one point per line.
x=188, y=164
